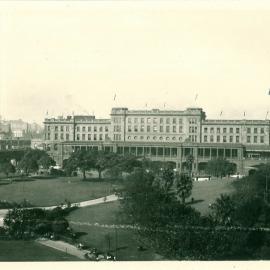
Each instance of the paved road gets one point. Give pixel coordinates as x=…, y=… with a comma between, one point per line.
x=109, y=198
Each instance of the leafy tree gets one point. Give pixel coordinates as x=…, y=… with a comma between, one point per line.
x=46, y=161
x=223, y=210
x=80, y=159
x=183, y=185
x=164, y=180
x=219, y=167
x=7, y=168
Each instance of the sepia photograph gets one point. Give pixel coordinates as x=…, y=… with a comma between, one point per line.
x=135, y=131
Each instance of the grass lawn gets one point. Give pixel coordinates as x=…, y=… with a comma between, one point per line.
x=99, y=238
x=30, y=251
x=49, y=192
x=206, y=192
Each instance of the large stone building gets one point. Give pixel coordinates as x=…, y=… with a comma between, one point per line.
x=162, y=135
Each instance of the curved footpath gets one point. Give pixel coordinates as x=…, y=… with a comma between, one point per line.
x=109, y=198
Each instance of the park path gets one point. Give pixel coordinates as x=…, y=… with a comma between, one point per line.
x=64, y=247
x=109, y=198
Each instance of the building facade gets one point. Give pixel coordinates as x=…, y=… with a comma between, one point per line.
x=163, y=135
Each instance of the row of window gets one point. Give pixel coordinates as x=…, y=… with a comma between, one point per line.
x=154, y=138
x=90, y=137
x=90, y=128
x=232, y=130
x=155, y=128
x=232, y=139
x=150, y=120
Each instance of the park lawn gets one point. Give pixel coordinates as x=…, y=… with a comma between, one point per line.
x=54, y=191
x=96, y=237
x=19, y=250
x=207, y=192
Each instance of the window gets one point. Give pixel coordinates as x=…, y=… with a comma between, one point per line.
x=180, y=129
x=56, y=128
x=61, y=128
x=89, y=129
x=95, y=129
x=78, y=129
x=237, y=130
x=129, y=137
x=129, y=120
x=231, y=139
x=89, y=137
x=148, y=138
x=174, y=129
x=67, y=136
x=205, y=138
x=224, y=139
x=155, y=137
x=180, y=121
x=160, y=138
x=211, y=130
x=155, y=128
x=154, y=120
x=95, y=137
x=148, y=128
x=62, y=136
x=173, y=138
x=135, y=128
x=255, y=130
x=136, y=120
x=83, y=137
x=106, y=128
x=174, y=120
x=248, y=139
x=248, y=130
x=218, y=138
x=218, y=130
x=262, y=130
x=100, y=129
x=167, y=129
x=237, y=139
x=161, y=129
x=180, y=139
x=78, y=137
x=167, y=138
x=211, y=138
x=142, y=120
x=56, y=136
x=129, y=128
x=231, y=130
x=224, y=130
x=135, y=137
x=167, y=120
x=205, y=130
x=142, y=128
x=148, y=120
x=100, y=137
x=161, y=120
x=255, y=139
x=49, y=136
x=262, y=139
x=83, y=129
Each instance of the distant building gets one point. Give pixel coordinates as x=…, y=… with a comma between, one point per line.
x=166, y=135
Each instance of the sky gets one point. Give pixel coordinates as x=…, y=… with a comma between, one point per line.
x=87, y=57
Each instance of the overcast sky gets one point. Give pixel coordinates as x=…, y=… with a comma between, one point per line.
x=68, y=57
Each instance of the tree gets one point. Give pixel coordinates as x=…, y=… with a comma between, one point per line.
x=183, y=185
x=46, y=161
x=219, y=167
x=30, y=160
x=7, y=168
x=223, y=209
x=164, y=180
x=80, y=159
